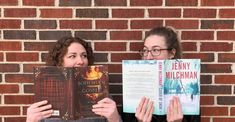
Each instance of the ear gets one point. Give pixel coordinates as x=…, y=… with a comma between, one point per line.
x=173, y=52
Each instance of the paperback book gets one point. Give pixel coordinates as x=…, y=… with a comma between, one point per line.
x=71, y=91
x=160, y=80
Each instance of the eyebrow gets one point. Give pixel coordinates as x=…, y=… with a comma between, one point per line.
x=152, y=46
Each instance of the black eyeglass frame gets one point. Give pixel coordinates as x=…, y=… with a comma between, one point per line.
x=141, y=52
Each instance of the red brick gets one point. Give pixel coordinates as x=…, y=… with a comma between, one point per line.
x=19, y=34
x=183, y=24
x=20, y=12
x=1, y=56
x=92, y=13
x=165, y=13
x=217, y=3
x=9, y=24
x=227, y=13
x=199, y=13
x=25, y=110
x=91, y=35
x=14, y=119
x=110, y=3
x=115, y=68
x=38, y=2
x=207, y=100
x=232, y=111
x=9, y=68
x=10, y=46
x=225, y=100
x=146, y=2
x=118, y=57
x=56, y=13
x=111, y=24
x=216, y=68
x=9, y=110
x=226, y=57
x=215, y=89
x=19, y=78
x=224, y=79
x=214, y=111
x=8, y=2
x=181, y=2
x=125, y=35
x=219, y=46
x=226, y=35
x=145, y=24
x=206, y=79
x=205, y=119
x=38, y=46
x=127, y=13
x=19, y=99
x=53, y=35
x=110, y=46
x=40, y=24
x=22, y=56
x=9, y=88
x=75, y=24
x=29, y=67
x=197, y=35
x=189, y=46
x=205, y=57
x=223, y=119
x=217, y=24
x=74, y=2
x=136, y=46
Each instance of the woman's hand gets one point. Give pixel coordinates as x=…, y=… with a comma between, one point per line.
x=107, y=108
x=144, y=111
x=174, y=110
x=38, y=111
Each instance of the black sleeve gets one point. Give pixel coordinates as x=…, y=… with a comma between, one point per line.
x=128, y=117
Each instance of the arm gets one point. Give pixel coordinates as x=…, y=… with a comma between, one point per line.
x=174, y=111
x=144, y=111
x=38, y=111
x=107, y=108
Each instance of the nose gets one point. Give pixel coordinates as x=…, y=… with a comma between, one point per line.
x=79, y=61
x=149, y=56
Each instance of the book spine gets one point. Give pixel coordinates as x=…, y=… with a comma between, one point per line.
x=71, y=93
x=161, y=87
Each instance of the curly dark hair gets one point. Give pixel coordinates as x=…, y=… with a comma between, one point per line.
x=171, y=37
x=56, y=54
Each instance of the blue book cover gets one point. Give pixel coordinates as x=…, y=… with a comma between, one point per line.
x=159, y=80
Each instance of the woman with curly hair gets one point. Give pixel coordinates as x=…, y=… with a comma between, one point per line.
x=72, y=52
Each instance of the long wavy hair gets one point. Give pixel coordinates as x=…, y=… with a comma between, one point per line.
x=171, y=38
x=56, y=54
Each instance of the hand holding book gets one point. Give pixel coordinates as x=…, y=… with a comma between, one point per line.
x=107, y=108
x=38, y=111
x=174, y=110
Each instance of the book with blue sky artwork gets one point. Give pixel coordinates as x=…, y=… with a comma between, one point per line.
x=160, y=80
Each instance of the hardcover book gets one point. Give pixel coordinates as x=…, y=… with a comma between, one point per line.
x=160, y=80
x=71, y=91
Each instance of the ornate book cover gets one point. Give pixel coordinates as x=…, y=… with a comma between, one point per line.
x=71, y=91
x=159, y=80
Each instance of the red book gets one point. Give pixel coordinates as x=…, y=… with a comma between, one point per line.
x=71, y=91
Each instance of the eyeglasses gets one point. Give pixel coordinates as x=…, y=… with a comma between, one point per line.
x=154, y=52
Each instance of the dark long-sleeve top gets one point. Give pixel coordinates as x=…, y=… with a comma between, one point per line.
x=127, y=117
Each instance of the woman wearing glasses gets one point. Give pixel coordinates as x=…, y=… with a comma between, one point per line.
x=160, y=43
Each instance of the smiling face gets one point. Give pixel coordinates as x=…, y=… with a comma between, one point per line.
x=76, y=56
x=157, y=42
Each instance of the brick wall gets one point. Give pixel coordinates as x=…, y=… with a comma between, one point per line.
x=115, y=29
